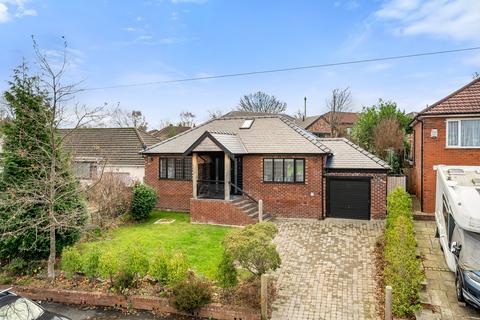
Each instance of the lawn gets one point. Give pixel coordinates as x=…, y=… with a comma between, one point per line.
x=200, y=243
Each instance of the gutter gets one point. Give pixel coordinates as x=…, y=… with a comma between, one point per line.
x=421, y=164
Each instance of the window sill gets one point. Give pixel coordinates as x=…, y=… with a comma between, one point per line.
x=279, y=182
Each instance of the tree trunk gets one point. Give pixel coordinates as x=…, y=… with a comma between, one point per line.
x=52, y=256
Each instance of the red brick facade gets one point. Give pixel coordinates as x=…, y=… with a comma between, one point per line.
x=435, y=152
x=378, y=190
x=172, y=194
x=288, y=200
x=217, y=212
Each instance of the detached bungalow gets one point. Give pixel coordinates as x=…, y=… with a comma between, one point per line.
x=219, y=170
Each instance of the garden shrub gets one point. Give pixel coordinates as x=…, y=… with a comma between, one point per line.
x=90, y=261
x=144, y=199
x=135, y=260
x=124, y=280
x=177, y=268
x=110, y=198
x=191, y=293
x=108, y=266
x=159, y=267
x=402, y=268
x=226, y=272
x=71, y=261
x=252, y=247
x=17, y=266
x=169, y=269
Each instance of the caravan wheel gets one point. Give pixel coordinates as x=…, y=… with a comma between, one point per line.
x=458, y=287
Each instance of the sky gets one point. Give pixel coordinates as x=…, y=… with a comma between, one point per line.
x=129, y=42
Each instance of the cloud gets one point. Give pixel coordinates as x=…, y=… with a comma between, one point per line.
x=10, y=9
x=4, y=16
x=456, y=20
x=347, y=4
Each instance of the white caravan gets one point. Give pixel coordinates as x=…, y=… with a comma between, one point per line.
x=457, y=214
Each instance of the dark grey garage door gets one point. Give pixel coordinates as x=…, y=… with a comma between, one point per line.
x=348, y=198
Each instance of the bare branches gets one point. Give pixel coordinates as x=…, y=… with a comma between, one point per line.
x=339, y=102
x=187, y=119
x=122, y=119
x=261, y=102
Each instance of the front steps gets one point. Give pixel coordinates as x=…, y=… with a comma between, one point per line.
x=250, y=208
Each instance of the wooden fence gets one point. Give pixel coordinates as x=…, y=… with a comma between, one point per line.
x=396, y=181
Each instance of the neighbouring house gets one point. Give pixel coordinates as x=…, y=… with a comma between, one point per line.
x=321, y=125
x=221, y=169
x=107, y=150
x=447, y=132
x=168, y=131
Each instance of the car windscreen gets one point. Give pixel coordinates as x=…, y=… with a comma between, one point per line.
x=20, y=309
x=470, y=252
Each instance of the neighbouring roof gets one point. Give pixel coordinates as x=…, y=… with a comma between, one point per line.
x=168, y=132
x=347, y=155
x=117, y=146
x=239, y=113
x=465, y=100
x=343, y=117
x=269, y=134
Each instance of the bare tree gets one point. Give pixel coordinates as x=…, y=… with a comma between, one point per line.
x=299, y=115
x=476, y=75
x=339, y=102
x=215, y=114
x=187, y=119
x=388, y=137
x=261, y=102
x=122, y=118
x=36, y=201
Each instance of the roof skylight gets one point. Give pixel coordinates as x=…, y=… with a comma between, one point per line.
x=247, y=124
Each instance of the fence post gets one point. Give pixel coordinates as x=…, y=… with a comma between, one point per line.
x=260, y=210
x=388, y=303
x=263, y=296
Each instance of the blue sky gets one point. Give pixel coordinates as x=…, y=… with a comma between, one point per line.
x=122, y=42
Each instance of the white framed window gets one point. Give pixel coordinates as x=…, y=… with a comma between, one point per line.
x=463, y=133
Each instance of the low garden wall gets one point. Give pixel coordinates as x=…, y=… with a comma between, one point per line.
x=148, y=303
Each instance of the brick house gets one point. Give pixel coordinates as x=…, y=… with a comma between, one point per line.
x=218, y=171
x=447, y=132
x=321, y=125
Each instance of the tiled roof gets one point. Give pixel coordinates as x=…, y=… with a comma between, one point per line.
x=118, y=146
x=307, y=122
x=347, y=155
x=168, y=132
x=463, y=101
x=243, y=114
x=343, y=117
x=269, y=134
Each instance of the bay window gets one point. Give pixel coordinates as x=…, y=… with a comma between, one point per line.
x=463, y=133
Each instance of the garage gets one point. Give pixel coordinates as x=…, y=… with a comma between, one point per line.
x=348, y=197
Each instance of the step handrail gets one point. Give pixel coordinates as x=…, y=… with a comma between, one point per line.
x=243, y=192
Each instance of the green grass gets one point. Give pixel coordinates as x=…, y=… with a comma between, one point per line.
x=200, y=243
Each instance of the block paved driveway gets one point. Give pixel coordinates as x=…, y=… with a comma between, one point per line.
x=440, y=291
x=327, y=269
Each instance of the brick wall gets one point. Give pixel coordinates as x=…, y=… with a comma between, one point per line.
x=320, y=126
x=378, y=191
x=290, y=200
x=156, y=304
x=217, y=212
x=172, y=194
x=435, y=153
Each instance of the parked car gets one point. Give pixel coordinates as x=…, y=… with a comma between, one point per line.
x=14, y=307
x=458, y=227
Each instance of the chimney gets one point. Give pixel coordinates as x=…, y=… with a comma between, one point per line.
x=304, y=108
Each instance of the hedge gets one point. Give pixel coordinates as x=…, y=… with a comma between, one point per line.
x=402, y=268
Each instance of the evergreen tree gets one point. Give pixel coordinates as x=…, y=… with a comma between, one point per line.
x=41, y=206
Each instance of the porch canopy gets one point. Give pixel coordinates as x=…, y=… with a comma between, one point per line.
x=213, y=143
